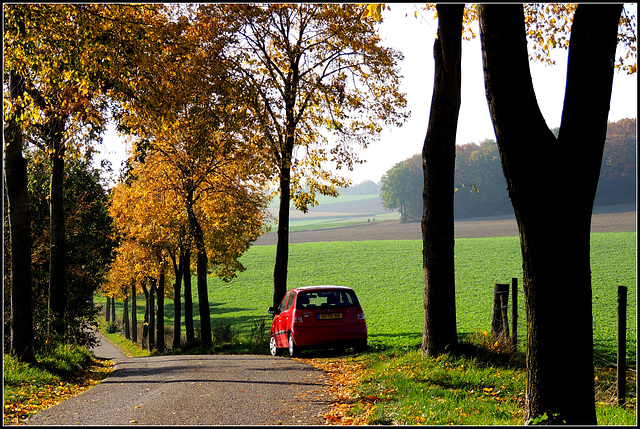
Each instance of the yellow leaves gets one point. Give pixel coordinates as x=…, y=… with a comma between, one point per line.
x=374, y=11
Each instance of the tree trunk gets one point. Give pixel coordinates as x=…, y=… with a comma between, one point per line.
x=160, y=313
x=188, y=298
x=107, y=311
x=125, y=318
x=282, y=245
x=178, y=268
x=203, y=299
x=152, y=316
x=145, y=322
x=438, y=157
x=15, y=181
x=202, y=264
x=57, y=261
x=134, y=313
x=553, y=220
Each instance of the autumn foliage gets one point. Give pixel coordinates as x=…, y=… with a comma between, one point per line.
x=194, y=181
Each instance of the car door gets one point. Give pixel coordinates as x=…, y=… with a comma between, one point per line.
x=282, y=323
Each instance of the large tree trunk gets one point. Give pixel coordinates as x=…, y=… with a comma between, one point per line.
x=145, y=320
x=202, y=265
x=203, y=298
x=57, y=261
x=282, y=245
x=134, y=313
x=160, y=313
x=125, y=318
x=178, y=268
x=152, y=316
x=188, y=298
x=438, y=158
x=15, y=181
x=553, y=218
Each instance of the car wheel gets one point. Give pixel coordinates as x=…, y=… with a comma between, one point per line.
x=362, y=347
x=273, y=347
x=340, y=349
x=293, y=349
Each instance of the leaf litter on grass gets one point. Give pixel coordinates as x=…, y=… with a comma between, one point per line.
x=23, y=400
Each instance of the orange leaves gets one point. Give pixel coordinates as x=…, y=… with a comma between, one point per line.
x=548, y=27
x=195, y=179
x=345, y=376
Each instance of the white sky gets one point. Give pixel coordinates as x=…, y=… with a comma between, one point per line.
x=415, y=37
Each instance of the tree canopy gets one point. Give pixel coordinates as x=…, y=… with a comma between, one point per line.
x=318, y=84
x=402, y=188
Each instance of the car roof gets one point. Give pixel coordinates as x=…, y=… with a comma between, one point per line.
x=325, y=287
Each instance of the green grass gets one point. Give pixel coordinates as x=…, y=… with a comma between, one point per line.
x=479, y=387
x=61, y=371
x=387, y=276
x=61, y=361
x=450, y=390
x=397, y=385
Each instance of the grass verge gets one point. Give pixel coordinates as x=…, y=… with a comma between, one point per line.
x=478, y=386
x=62, y=371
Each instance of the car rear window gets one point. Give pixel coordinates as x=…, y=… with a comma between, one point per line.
x=326, y=299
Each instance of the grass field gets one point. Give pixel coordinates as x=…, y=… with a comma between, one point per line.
x=391, y=383
x=387, y=276
x=330, y=212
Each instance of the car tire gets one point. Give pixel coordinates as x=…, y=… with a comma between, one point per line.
x=362, y=347
x=273, y=347
x=293, y=349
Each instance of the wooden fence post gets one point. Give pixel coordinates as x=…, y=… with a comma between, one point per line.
x=514, y=312
x=622, y=342
x=499, y=318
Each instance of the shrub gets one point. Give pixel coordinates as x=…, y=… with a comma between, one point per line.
x=112, y=327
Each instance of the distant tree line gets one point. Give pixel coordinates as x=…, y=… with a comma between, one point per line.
x=480, y=186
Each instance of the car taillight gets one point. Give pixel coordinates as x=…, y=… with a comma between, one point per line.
x=360, y=317
x=297, y=319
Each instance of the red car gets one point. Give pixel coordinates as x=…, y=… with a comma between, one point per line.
x=318, y=316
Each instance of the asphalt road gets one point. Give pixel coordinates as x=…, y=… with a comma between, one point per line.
x=196, y=390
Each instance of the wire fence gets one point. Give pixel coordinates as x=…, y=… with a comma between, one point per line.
x=474, y=318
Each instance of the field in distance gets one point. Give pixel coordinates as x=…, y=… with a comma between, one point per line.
x=362, y=217
x=331, y=212
x=387, y=276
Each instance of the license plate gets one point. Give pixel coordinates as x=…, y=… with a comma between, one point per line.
x=325, y=316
